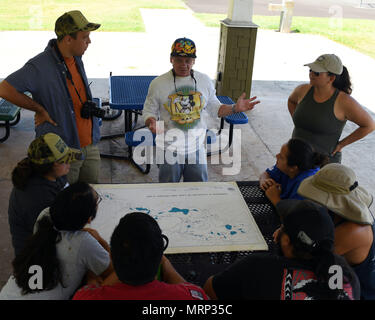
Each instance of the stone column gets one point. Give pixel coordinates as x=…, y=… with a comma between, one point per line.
x=236, y=51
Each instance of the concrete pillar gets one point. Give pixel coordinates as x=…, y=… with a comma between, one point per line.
x=240, y=10
x=236, y=50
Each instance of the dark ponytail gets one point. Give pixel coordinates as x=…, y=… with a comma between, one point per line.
x=322, y=259
x=39, y=250
x=320, y=160
x=70, y=211
x=302, y=155
x=25, y=169
x=342, y=81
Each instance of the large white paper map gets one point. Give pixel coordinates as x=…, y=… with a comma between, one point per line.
x=196, y=216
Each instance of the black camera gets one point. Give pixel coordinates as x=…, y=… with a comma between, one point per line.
x=89, y=109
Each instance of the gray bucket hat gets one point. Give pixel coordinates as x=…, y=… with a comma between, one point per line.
x=336, y=187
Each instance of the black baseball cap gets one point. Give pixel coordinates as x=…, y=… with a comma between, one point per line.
x=307, y=224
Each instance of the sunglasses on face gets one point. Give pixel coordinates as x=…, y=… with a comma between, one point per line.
x=315, y=73
x=166, y=242
x=98, y=198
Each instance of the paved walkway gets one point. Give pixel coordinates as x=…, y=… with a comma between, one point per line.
x=278, y=69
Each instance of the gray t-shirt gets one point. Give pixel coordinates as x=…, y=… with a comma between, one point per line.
x=77, y=252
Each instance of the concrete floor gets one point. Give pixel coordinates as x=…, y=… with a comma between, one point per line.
x=278, y=69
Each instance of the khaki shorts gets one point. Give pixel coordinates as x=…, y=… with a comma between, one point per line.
x=86, y=170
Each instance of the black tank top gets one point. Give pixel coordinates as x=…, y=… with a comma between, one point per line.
x=317, y=124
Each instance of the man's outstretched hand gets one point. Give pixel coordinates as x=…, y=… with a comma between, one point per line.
x=244, y=104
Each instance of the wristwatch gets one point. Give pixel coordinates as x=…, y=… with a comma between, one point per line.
x=233, y=108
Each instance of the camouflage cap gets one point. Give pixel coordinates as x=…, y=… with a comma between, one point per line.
x=73, y=21
x=50, y=148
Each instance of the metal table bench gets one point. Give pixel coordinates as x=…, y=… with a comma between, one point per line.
x=128, y=93
x=10, y=114
x=236, y=118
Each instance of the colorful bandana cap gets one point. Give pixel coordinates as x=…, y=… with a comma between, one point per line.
x=50, y=148
x=183, y=47
x=73, y=21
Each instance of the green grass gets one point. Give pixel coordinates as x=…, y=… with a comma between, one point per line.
x=114, y=15
x=124, y=15
x=355, y=33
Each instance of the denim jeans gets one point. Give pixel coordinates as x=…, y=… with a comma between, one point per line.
x=194, y=171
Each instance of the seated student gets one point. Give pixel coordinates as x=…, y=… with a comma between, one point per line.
x=335, y=186
x=137, y=246
x=36, y=181
x=295, y=162
x=302, y=272
x=64, y=251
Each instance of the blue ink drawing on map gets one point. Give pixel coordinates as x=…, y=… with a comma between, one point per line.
x=184, y=211
x=228, y=227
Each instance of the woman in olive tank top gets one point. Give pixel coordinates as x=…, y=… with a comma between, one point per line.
x=321, y=108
